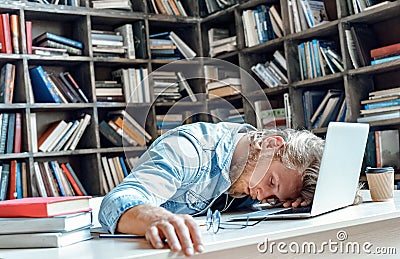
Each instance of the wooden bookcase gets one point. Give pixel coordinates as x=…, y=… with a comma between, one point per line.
x=77, y=22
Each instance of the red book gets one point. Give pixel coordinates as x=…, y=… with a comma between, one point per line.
x=28, y=29
x=44, y=207
x=385, y=51
x=12, y=184
x=17, y=133
x=71, y=180
x=7, y=48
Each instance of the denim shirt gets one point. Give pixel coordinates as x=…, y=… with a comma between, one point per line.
x=184, y=171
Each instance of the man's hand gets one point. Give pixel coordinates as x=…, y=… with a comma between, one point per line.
x=296, y=203
x=157, y=224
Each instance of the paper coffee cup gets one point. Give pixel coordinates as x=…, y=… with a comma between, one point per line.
x=381, y=183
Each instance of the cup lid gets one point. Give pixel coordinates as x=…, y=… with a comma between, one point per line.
x=377, y=170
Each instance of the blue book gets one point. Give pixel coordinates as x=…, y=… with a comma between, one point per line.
x=259, y=19
x=159, y=35
x=61, y=39
x=19, y=181
x=3, y=134
x=57, y=177
x=383, y=60
x=123, y=165
x=43, y=89
x=10, y=133
x=388, y=103
x=302, y=59
x=316, y=57
x=268, y=24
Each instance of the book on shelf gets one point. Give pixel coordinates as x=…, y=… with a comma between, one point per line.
x=10, y=133
x=329, y=111
x=39, y=207
x=131, y=122
x=183, y=81
x=380, y=116
x=7, y=83
x=276, y=20
x=387, y=148
x=314, y=12
x=5, y=176
x=311, y=101
x=224, y=91
x=383, y=60
x=5, y=34
x=112, y=4
x=110, y=134
x=62, y=223
x=15, y=33
x=379, y=110
x=43, y=89
x=71, y=83
x=18, y=133
x=385, y=51
x=43, y=240
x=365, y=40
x=288, y=110
x=351, y=47
x=126, y=31
x=73, y=179
x=186, y=51
x=3, y=133
x=57, y=38
x=28, y=35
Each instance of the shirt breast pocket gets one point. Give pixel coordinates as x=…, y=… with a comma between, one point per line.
x=195, y=201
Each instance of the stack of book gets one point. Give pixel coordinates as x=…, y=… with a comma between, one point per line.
x=115, y=169
x=220, y=41
x=112, y=4
x=304, y=14
x=121, y=129
x=63, y=134
x=258, y=26
x=318, y=58
x=167, y=7
x=274, y=72
x=385, y=54
x=381, y=105
x=107, y=43
x=169, y=46
x=44, y=222
x=170, y=86
x=109, y=91
x=55, y=87
x=57, y=43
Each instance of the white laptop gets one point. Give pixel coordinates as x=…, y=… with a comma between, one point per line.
x=338, y=176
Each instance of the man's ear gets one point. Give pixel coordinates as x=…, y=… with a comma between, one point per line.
x=273, y=142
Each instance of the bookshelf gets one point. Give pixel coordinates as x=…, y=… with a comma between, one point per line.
x=355, y=83
x=193, y=29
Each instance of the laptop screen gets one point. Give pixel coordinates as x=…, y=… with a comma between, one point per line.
x=340, y=166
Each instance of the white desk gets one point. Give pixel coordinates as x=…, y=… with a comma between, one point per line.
x=377, y=223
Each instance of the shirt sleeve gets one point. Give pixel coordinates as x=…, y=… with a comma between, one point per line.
x=159, y=173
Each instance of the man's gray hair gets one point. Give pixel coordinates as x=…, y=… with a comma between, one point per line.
x=302, y=151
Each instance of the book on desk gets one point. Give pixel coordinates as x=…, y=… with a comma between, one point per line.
x=44, y=222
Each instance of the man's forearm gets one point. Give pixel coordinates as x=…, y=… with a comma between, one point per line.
x=136, y=219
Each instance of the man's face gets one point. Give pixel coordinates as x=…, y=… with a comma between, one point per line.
x=277, y=181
